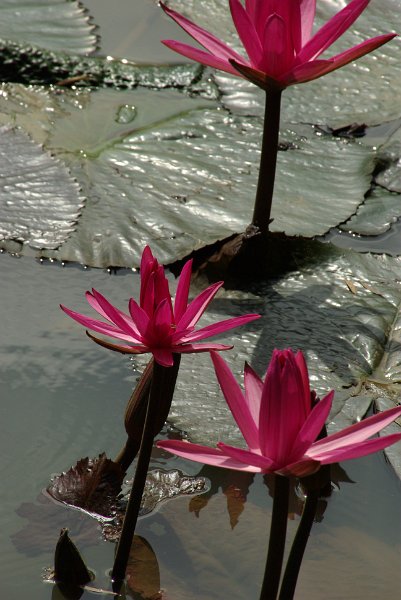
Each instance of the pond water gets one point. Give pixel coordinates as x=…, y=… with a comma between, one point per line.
x=63, y=398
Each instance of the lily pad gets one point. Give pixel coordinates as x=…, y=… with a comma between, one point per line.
x=40, y=200
x=52, y=24
x=179, y=173
x=375, y=215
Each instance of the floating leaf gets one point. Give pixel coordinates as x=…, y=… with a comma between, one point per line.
x=40, y=200
x=145, y=153
x=380, y=209
x=52, y=24
x=92, y=485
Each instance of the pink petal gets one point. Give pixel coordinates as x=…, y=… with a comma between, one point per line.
x=147, y=295
x=313, y=425
x=215, y=46
x=114, y=315
x=163, y=317
x=147, y=267
x=282, y=412
x=360, y=50
x=332, y=30
x=147, y=259
x=250, y=7
x=246, y=457
x=219, y=327
x=198, y=306
x=246, y=31
x=159, y=330
x=253, y=392
x=163, y=356
x=308, y=71
x=308, y=10
x=278, y=50
x=189, y=348
x=162, y=291
x=181, y=295
x=303, y=371
x=318, y=68
x=201, y=56
x=258, y=77
x=262, y=11
x=235, y=400
x=117, y=348
x=357, y=433
x=139, y=316
x=204, y=454
x=96, y=325
x=356, y=450
x=95, y=305
x=301, y=468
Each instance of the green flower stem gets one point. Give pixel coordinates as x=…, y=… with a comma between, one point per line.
x=298, y=547
x=278, y=530
x=268, y=159
x=163, y=379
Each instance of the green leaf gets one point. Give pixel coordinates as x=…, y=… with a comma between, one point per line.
x=51, y=24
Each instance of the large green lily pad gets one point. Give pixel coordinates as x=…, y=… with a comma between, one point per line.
x=178, y=172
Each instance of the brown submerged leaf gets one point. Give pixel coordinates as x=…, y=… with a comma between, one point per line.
x=143, y=574
x=92, y=485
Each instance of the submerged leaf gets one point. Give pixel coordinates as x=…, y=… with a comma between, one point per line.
x=143, y=573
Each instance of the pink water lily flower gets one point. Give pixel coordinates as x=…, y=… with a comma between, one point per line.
x=154, y=325
x=277, y=36
x=280, y=423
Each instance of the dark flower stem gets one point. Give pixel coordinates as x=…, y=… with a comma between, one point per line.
x=267, y=170
x=161, y=382
x=278, y=530
x=298, y=547
x=316, y=485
